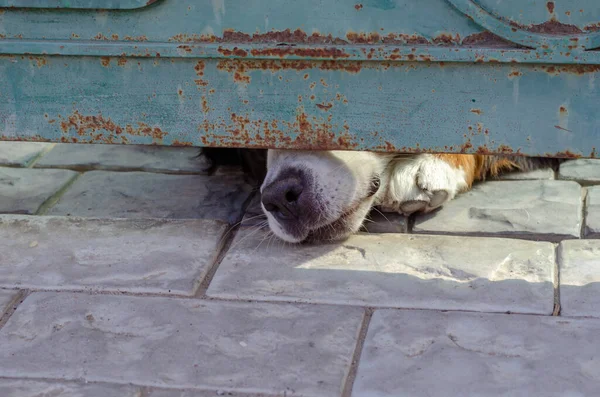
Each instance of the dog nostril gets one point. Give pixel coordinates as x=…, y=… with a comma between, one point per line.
x=291, y=196
x=281, y=198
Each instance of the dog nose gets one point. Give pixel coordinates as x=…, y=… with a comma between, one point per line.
x=281, y=198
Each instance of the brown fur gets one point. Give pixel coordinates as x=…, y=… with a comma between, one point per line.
x=478, y=167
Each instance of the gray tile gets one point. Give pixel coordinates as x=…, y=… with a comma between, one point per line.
x=427, y=353
x=592, y=212
x=105, y=194
x=181, y=343
x=549, y=210
x=30, y=388
x=580, y=278
x=196, y=393
x=23, y=190
x=543, y=173
x=387, y=270
x=21, y=154
x=127, y=157
x=584, y=171
x=156, y=256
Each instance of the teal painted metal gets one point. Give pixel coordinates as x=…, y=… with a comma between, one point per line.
x=386, y=75
x=78, y=4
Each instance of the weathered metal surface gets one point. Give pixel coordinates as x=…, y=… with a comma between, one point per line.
x=79, y=4
x=387, y=75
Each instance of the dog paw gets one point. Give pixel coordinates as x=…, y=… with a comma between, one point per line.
x=422, y=184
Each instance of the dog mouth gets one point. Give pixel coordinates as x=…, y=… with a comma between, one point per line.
x=309, y=221
x=342, y=227
x=337, y=230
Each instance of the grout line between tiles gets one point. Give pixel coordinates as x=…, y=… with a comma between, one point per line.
x=41, y=154
x=362, y=336
x=52, y=200
x=12, y=307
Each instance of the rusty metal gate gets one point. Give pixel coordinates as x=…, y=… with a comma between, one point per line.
x=504, y=76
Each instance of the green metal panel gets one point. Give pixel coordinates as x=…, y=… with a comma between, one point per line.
x=386, y=75
x=74, y=4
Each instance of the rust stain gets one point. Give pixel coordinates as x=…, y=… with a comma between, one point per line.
x=549, y=27
x=193, y=38
x=281, y=36
x=358, y=7
x=563, y=110
x=39, y=61
x=324, y=106
x=550, y=7
x=566, y=154
x=185, y=48
x=239, y=68
x=570, y=69
x=302, y=52
x=391, y=38
x=446, y=39
x=515, y=73
x=205, y=108
x=488, y=39
x=122, y=61
x=238, y=52
x=135, y=38
x=593, y=27
x=177, y=142
x=105, y=61
x=478, y=112
x=33, y=138
x=311, y=133
x=91, y=127
x=99, y=36
x=199, y=69
x=411, y=39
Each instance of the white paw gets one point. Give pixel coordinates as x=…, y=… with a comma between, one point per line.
x=422, y=184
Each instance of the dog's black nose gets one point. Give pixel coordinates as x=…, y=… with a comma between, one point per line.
x=281, y=197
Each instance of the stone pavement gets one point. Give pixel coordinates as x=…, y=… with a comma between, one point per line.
x=121, y=275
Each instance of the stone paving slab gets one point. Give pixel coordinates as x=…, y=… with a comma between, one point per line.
x=23, y=190
x=193, y=393
x=548, y=210
x=584, y=171
x=30, y=388
x=426, y=353
x=133, y=255
x=432, y=272
x=579, y=262
x=181, y=343
x=21, y=154
x=592, y=212
x=104, y=194
x=125, y=158
x=542, y=173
